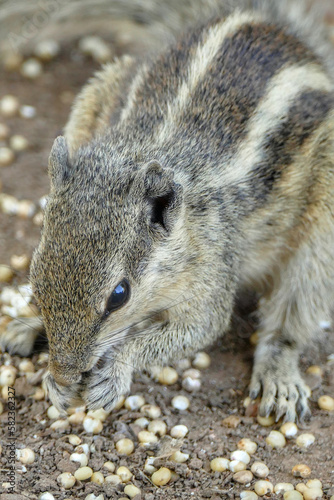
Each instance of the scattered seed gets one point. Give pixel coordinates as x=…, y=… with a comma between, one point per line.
x=26, y=456
x=240, y=455
x=305, y=440
x=243, y=477
x=151, y=411
x=4, y=132
x=266, y=421
x=124, y=474
x=179, y=431
x=289, y=429
x=301, y=470
x=20, y=262
x=232, y=421
x=7, y=376
x=46, y=496
x=248, y=495
x=314, y=483
x=100, y=414
x=66, y=479
x=191, y=384
x=125, y=446
x=9, y=105
x=168, y=376
x=142, y=422
x=183, y=364
x=83, y=473
x=219, y=464
x=97, y=478
x=92, y=425
x=161, y=477
x=31, y=68
x=91, y=496
x=95, y=47
x=134, y=402
x=292, y=495
x=260, y=469
x=6, y=274
x=179, y=457
x=283, y=487
x=158, y=427
x=131, y=490
x=201, y=361
x=263, y=488
x=149, y=467
x=180, y=403
x=77, y=418
x=113, y=479
x=1, y=411
x=60, y=425
x=247, y=445
x=326, y=403
x=80, y=458
x=313, y=494
x=18, y=143
x=46, y=50
x=276, y=439
x=27, y=112
x=109, y=466
x=147, y=437
x=315, y=370
x=6, y=156
x=39, y=394
x=237, y=466
x=12, y=61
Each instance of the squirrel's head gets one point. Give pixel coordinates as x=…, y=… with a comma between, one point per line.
x=103, y=263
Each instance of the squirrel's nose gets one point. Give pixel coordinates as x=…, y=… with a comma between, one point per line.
x=64, y=374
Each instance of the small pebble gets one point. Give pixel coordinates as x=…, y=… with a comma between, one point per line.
x=161, y=477
x=289, y=429
x=201, y=361
x=168, y=376
x=305, y=440
x=131, y=490
x=66, y=479
x=180, y=403
x=151, y=411
x=9, y=105
x=260, y=469
x=248, y=495
x=283, y=487
x=158, y=427
x=240, y=455
x=292, y=495
x=6, y=156
x=263, y=488
x=31, y=68
x=83, y=473
x=124, y=474
x=243, y=477
x=92, y=425
x=276, y=439
x=134, y=402
x=97, y=478
x=125, y=446
x=247, y=445
x=219, y=464
x=46, y=50
x=179, y=431
x=26, y=456
x=326, y=403
x=301, y=470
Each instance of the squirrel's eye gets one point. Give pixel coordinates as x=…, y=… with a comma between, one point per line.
x=119, y=297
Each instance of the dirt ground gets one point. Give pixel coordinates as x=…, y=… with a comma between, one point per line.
x=224, y=383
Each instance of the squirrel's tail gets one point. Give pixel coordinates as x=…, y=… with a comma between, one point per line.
x=145, y=24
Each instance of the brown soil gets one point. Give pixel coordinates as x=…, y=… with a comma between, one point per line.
x=224, y=384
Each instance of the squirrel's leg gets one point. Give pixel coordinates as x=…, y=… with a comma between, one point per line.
x=20, y=335
x=290, y=321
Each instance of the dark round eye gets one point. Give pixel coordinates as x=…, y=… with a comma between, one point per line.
x=119, y=297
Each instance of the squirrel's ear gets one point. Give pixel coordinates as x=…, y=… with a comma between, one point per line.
x=58, y=162
x=163, y=194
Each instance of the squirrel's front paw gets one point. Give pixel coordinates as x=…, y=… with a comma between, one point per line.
x=20, y=335
x=277, y=376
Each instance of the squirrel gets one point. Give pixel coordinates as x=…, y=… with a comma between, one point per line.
x=180, y=180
